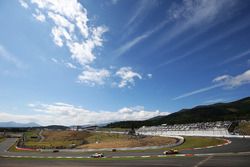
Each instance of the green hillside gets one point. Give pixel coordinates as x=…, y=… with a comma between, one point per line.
x=237, y=110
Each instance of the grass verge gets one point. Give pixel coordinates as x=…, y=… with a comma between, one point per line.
x=195, y=142
x=190, y=142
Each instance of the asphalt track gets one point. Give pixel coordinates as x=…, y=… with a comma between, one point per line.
x=211, y=161
x=235, y=154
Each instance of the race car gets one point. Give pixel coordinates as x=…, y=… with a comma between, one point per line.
x=171, y=151
x=55, y=151
x=97, y=155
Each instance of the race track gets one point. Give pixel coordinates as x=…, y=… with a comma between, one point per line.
x=212, y=161
x=235, y=154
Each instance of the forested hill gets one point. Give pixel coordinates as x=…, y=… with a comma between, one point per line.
x=237, y=110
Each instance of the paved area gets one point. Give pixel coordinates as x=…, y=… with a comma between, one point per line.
x=237, y=145
x=41, y=135
x=235, y=154
x=222, y=161
x=6, y=144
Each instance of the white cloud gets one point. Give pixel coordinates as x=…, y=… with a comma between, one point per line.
x=23, y=4
x=196, y=92
x=54, y=60
x=194, y=13
x=221, y=78
x=59, y=34
x=93, y=76
x=61, y=21
x=62, y=62
x=140, y=13
x=238, y=56
x=141, y=9
x=71, y=27
x=208, y=42
x=114, y=2
x=5, y=117
x=225, y=81
x=127, y=76
x=229, y=81
x=188, y=14
x=197, y=12
x=67, y=114
x=83, y=52
x=70, y=65
x=127, y=46
x=7, y=56
x=138, y=113
x=149, y=76
x=39, y=16
x=213, y=101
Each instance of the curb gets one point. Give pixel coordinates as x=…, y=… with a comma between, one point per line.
x=26, y=149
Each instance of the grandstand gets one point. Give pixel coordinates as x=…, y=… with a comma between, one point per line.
x=219, y=128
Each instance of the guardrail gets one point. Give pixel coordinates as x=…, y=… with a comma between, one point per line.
x=215, y=133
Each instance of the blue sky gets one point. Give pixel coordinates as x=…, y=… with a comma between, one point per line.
x=89, y=62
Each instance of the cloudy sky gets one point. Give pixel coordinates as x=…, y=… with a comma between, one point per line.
x=90, y=61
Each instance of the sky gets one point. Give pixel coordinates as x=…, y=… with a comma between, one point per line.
x=72, y=62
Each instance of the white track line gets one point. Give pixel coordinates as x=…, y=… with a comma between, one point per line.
x=145, y=156
x=203, y=161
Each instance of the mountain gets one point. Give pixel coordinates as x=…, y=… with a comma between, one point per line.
x=237, y=110
x=56, y=127
x=15, y=124
x=90, y=125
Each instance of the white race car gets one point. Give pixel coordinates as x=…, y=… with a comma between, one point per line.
x=171, y=151
x=97, y=155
